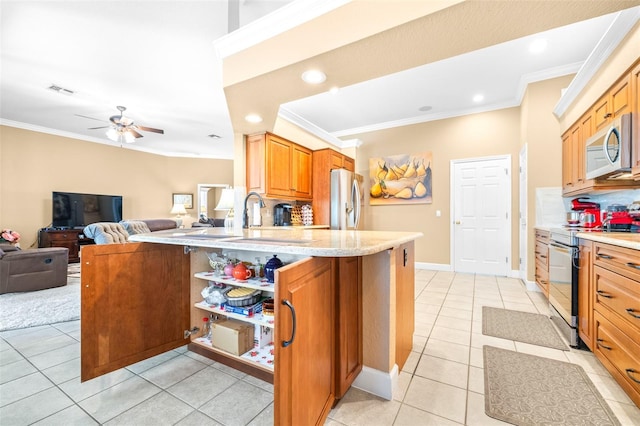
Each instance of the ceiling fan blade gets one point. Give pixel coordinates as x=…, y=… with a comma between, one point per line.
x=90, y=118
x=96, y=128
x=150, y=129
x=136, y=134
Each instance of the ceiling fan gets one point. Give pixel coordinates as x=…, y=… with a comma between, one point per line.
x=123, y=128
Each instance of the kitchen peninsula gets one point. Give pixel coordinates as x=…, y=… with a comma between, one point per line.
x=343, y=305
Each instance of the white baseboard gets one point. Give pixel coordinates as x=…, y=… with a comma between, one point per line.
x=377, y=382
x=434, y=266
x=532, y=286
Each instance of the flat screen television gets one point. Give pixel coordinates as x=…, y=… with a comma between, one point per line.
x=74, y=210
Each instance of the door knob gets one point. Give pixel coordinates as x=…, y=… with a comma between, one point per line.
x=457, y=222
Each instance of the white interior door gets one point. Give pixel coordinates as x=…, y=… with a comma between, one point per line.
x=481, y=220
x=522, y=234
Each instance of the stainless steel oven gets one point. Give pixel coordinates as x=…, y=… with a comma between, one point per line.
x=563, y=283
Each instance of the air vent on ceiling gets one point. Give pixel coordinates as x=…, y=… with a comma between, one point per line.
x=61, y=90
x=214, y=136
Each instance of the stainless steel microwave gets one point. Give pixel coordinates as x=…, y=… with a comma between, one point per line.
x=608, y=152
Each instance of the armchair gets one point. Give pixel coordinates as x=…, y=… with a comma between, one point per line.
x=30, y=270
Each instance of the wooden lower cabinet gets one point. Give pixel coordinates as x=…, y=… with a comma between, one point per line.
x=304, y=339
x=542, y=260
x=616, y=315
x=405, y=296
x=134, y=304
x=349, y=323
x=140, y=300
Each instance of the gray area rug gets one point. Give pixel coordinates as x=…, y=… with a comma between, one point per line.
x=525, y=327
x=50, y=306
x=526, y=389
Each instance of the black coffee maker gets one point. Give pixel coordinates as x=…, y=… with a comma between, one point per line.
x=282, y=214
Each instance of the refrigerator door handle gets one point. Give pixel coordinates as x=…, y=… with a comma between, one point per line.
x=355, y=195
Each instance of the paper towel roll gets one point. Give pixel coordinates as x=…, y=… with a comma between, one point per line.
x=257, y=217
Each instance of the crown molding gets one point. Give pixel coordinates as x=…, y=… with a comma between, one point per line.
x=304, y=124
x=71, y=135
x=277, y=22
x=620, y=27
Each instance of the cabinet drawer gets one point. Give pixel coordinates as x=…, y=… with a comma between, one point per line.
x=63, y=236
x=621, y=352
x=621, y=296
x=618, y=259
x=542, y=236
x=542, y=253
x=542, y=277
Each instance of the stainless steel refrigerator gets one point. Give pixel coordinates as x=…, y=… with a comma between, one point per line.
x=347, y=199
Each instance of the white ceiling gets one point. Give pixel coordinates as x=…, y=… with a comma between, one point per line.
x=158, y=59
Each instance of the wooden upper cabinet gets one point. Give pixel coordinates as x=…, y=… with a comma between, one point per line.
x=278, y=168
x=615, y=102
x=301, y=172
x=567, y=162
x=325, y=160
x=621, y=98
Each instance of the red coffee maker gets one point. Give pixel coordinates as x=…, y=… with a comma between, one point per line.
x=590, y=216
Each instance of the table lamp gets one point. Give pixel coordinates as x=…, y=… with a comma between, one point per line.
x=227, y=200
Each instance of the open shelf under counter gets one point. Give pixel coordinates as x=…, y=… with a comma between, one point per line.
x=251, y=357
x=258, y=319
x=255, y=283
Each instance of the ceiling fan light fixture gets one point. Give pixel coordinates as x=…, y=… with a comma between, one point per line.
x=112, y=134
x=128, y=137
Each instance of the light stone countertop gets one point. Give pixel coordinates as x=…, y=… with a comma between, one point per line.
x=309, y=242
x=621, y=239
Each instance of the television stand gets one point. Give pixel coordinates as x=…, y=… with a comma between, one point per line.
x=72, y=239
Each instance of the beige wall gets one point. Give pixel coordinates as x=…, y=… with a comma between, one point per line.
x=473, y=136
x=33, y=164
x=541, y=134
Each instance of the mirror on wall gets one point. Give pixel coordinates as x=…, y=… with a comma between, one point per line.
x=208, y=197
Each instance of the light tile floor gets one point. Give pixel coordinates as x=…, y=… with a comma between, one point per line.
x=442, y=382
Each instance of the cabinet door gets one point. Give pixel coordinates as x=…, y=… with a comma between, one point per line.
x=567, y=162
x=336, y=160
x=577, y=170
x=349, y=164
x=349, y=327
x=255, y=146
x=405, y=302
x=585, y=294
x=304, y=331
x=135, y=304
x=621, y=97
x=279, y=160
x=601, y=113
x=301, y=171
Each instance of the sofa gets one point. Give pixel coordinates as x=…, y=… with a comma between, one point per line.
x=113, y=233
x=31, y=270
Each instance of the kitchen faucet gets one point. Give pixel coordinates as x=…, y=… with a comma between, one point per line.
x=245, y=219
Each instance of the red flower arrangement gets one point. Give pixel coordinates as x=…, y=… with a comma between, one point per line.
x=9, y=236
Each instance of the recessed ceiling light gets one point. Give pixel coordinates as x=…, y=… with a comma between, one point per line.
x=478, y=98
x=425, y=108
x=314, y=76
x=538, y=46
x=253, y=118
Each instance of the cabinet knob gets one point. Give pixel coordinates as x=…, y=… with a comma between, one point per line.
x=607, y=115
